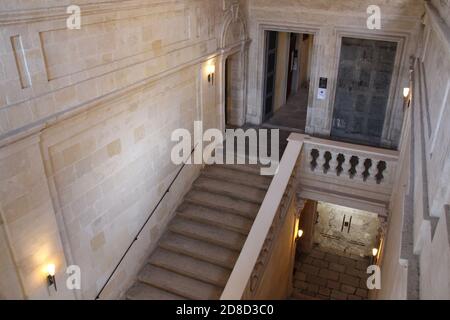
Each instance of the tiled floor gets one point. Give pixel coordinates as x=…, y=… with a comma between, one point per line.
x=292, y=114
x=328, y=275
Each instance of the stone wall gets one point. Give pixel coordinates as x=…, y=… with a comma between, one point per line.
x=86, y=118
x=358, y=240
x=328, y=21
x=417, y=254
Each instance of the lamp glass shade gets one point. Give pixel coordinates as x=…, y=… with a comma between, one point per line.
x=300, y=233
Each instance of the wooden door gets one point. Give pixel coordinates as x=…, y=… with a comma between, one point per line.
x=363, y=87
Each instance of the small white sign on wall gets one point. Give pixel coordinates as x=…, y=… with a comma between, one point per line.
x=322, y=94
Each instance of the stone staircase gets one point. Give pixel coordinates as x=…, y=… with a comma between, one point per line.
x=197, y=253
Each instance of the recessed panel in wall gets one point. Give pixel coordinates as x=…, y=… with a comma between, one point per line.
x=68, y=52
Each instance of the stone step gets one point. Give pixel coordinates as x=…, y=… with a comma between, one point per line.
x=216, y=218
x=225, y=173
x=223, y=203
x=247, y=168
x=200, y=250
x=178, y=284
x=204, y=232
x=234, y=190
x=190, y=267
x=142, y=291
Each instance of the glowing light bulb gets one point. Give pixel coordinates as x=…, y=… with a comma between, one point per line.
x=406, y=92
x=210, y=69
x=374, y=252
x=300, y=233
x=51, y=269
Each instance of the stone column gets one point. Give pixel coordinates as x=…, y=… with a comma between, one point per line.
x=307, y=223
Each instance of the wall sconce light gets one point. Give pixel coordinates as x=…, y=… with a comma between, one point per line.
x=406, y=92
x=374, y=252
x=51, y=280
x=299, y=234
x=211, y=70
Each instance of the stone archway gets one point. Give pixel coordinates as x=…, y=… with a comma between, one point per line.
x=233, y=43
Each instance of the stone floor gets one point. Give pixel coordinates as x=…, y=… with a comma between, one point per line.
x=293, y=114
x=328, y=275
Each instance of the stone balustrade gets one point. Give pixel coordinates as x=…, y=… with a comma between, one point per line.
x=349, y=162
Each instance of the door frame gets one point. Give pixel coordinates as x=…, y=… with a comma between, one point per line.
x=240, y=48
x=394, y=89
x=288, y=28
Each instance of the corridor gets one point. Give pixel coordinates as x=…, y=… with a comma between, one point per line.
x=292, y=115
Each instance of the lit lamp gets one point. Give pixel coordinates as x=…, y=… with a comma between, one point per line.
x=374, y=255
x=299, y=234
x=374, y=252
x=406, y=92
x=211, y=70
x=51, y=280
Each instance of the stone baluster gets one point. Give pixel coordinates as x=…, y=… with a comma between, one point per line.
x=353, y=164
x=321, y=160
x=346, y=165
x=327, y=157
x=381, y=171
x=333, y=163
x=360, y=169
x=367, y=166
x=340, y=167
x=373, y=171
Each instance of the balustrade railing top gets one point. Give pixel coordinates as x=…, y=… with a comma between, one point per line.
x=242, y=271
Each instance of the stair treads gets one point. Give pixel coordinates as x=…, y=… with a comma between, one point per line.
x=200, y=250
x=225, y=173
x=200, y=231
x=216, y=218
x=179, y=284
x=190, y=267
x=234, y=190
x=249, y=168
x=142, y=291
x=222, y=202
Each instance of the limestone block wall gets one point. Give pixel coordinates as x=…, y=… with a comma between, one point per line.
x=30, y=236
x=329, y=21
x=86, y=118
x=420, y=235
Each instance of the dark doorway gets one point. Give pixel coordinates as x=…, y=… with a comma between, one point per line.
x=287, y=79
x=227, y=89
x=363, y=87
x=269, y=80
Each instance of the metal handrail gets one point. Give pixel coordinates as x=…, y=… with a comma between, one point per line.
x=143, y=226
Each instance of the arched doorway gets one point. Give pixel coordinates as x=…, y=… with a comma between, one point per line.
x=234, y=61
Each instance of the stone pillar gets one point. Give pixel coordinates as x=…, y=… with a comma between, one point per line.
x=307, y=223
